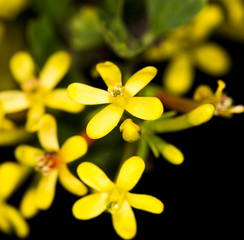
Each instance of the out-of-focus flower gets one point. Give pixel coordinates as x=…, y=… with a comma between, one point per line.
x=11, y=221
x=119, y=97
x=11, y=8
x=52, y=163
x=10, y=133
x=234, y=23
x=224, y=104
x=130, y=130
x=37, y=93
x=187, y=47
x=115, y=197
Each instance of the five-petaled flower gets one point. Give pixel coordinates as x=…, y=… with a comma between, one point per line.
x=115, y=197
x=38, y=92
x=52, y=163
x=11, y=221
x=119, y=97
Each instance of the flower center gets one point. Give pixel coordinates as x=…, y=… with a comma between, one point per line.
x=118, y=95
x=224, y=103
x=115, y=200
x=34, y=91
x=47, y=162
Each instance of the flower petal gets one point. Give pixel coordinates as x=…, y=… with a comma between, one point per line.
x=33, y=117
x=54, y=69
x=124, y=222
x=147, y=108
x=94, y=177
x=130, y=173
x=179, y=74
x=90, y=206
x=47, y=133
x=28, y=206
x=145, y=202
x=13, y=101
x=22, y=66
x=11, y=174
x=46, y=190
x=110, y=73
x=84, y=94
x=73, y=148
x=58, y=99
x=213, y=59
x=104, y=121
x=18, y=223
x=70, y=182
x=28, y=155
x=140, y=79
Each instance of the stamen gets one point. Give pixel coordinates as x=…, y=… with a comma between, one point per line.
x=31, y=85
x=115, y=200
x=46, y=163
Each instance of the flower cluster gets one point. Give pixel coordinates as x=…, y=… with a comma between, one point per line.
x=81, y=109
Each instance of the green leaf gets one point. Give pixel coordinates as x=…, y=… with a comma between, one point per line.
x=85, y=29
x=55, y=9
x=42, y=39
x=164, y=15
x=121, y=41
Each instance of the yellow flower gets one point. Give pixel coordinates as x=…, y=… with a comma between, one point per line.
x=11, y=221
x=115, y=197
x=130, y=130
x=187, y=47
x=120, y=98
x=38, y=92
x=52, y=163
x=11, y=8
x=223, y=103
x=9, y=133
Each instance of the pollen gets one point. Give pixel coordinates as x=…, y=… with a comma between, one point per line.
x=119, y=96
x=47, y=162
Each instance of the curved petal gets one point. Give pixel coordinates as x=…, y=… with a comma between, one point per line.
x=213, y=59
x=140, y=79
x=70, y=182
x=147, y=108
x=104, y=121
x=90, y=206
x=94, y=177
x=73, y=148
x=11, y=174
x=47, y=133
x=124, y=222
x=18, y=223
x=145, y=202
x=110, y=73
x=130, y=173
x=28, y=206
x=28, y=155
x=84, y=94
x=179, y=74
x=58, y=99
x=46, y=190
x=33, y=117
x=54, y=69
x=14, y=101
x=22, y=66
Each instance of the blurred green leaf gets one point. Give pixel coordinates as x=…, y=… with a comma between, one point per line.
x=55, y=9
x=120, y=40
x=164, y=15
x=42, y=39
x=85, y=29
